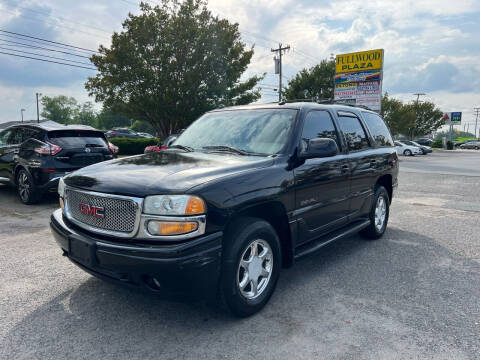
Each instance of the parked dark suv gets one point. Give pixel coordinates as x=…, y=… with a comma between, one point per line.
x=242, y=192
x=33, y=157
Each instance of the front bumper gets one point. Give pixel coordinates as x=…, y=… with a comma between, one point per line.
x=192, y=267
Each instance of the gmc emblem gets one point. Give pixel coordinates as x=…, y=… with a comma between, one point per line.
x=92, y=210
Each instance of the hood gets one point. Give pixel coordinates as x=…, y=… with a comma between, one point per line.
x=166, y=172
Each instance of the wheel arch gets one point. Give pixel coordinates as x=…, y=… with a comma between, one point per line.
x=387, y=182
x=275, y=214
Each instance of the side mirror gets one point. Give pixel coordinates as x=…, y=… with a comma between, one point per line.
x=319, y=148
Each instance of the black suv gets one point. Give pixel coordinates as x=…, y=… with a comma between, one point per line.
x=33, y=157
x=240, y=194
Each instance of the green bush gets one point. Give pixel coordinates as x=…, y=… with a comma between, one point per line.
x=133, y=146
x=437, y=143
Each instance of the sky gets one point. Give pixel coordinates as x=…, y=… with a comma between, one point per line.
x=431, y=46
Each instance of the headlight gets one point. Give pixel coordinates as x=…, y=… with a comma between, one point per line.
x=61, y=187
x=173, y=205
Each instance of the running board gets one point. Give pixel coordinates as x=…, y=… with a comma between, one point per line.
x=314, y=245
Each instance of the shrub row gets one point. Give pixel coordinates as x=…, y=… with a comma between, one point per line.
x=439, y=144
x=133, y=146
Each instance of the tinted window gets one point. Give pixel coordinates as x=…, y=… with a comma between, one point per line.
x=319, y=124
x=28, y=133
x=378, y=129
x=354, y=133
x=16, y=137
x=76, y=138
x=4, y=135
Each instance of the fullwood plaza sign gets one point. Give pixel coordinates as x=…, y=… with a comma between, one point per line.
x=358, y=78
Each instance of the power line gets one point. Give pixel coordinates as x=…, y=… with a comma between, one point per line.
x=49, y=41
x=50, y=61
x=50, y=57
x=43, y=48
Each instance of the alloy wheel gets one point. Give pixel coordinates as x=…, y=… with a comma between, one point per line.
x=380, y=213
x=23, y=186
x=255, y=269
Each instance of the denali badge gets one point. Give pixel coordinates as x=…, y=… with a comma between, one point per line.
x=92, y=210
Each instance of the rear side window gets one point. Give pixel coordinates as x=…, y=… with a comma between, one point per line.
x=77, y=138
x=16, y=137
x=378, y=129
x=4, y=137
x=354, y=133
x=319, y=124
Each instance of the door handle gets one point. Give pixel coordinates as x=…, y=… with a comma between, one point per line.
x=345, y=168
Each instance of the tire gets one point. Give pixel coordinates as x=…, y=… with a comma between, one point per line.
x=407, y=153
x=26, y=188
x=236, y=287
x=476, y=147
x=373, y=231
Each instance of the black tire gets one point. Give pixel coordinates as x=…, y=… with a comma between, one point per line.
x=372, y=232
x=407, y=153
x=238, y=239
x=26, y=190
x=476, y=148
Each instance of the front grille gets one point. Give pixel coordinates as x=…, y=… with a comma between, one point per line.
x=119, y=215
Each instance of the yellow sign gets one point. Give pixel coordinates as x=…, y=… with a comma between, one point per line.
x=359, y=61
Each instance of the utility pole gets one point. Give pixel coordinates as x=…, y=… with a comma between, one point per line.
x=477, y=111
x=21, y=111
x=38, y=113
x=415, y=123
x=279, y=50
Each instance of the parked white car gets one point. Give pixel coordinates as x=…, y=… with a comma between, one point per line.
x=407, y=150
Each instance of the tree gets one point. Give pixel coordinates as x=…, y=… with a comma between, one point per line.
x=428, y=118
x=398, y=118
x=171, y=64
x=314, y=83
x=85, y=114
x=108, y=119
x=415, y=119
x=142, y=126
x=59, y=108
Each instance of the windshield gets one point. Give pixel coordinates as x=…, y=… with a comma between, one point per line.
x=263, y=131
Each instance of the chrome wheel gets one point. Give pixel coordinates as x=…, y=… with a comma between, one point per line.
x=380, y=213
x=255, y=269
x=23, y=186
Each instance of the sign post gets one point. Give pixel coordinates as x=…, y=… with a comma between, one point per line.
x=358, y=78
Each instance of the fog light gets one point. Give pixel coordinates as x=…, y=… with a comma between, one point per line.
x=171, y=227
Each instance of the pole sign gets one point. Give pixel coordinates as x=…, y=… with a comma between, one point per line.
x=453, y=118
x=358, y=78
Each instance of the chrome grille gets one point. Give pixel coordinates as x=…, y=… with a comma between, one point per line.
x=120, y=214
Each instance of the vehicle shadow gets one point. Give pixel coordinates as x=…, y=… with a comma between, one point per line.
x=353, y=290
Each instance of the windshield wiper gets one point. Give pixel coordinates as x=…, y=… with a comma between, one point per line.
x=182, y=147
x=226, y=148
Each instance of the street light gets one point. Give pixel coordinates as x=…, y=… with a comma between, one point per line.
x=21, y=111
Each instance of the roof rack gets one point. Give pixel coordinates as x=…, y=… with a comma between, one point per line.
x=324, y=101
x=339, y=102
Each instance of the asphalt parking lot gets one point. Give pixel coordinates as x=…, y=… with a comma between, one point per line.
x=415, y=294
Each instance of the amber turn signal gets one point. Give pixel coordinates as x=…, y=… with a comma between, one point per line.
x=194, y=206
x=159, y=228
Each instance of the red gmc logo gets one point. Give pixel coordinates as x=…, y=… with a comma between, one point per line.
x=92, y=210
